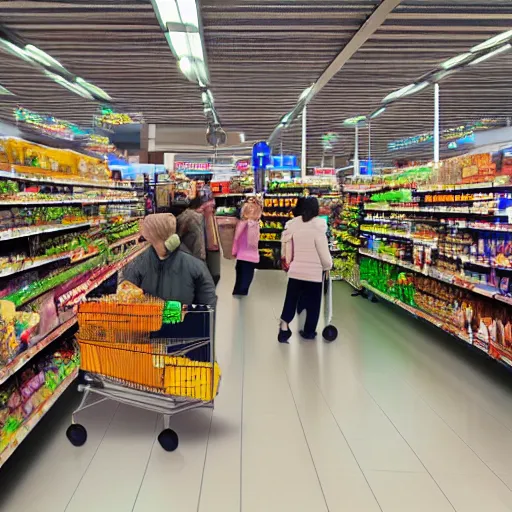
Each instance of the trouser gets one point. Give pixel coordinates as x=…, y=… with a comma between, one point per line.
x=213, y=264
x=310, y=296
x=244, y=276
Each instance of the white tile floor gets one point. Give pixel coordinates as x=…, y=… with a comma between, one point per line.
x=392, y=417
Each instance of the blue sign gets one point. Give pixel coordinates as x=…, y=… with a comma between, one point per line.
x=261, y=156
x=366, y=167
x=285, y=163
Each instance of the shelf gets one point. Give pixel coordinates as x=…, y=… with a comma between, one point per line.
x=418, y=313
x=461, y=186
x=69, y=299
x=42, y=180
x=22, y=359
x=423, y=209
x=434, y=273
x=241, y=194
x=126, y=240
x=68, y=201
x=35, y=417
x=389, y=235
x=29, y=265
x=23, y=232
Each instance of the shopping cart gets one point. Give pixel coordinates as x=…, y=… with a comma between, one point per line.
x=155, y=355
x=329, y=333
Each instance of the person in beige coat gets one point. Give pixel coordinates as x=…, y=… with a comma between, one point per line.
x=309, y=258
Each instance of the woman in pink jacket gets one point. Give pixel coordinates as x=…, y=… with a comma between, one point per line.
x=307, y=235
x=245, y=245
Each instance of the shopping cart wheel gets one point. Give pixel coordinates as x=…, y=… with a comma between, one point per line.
x=76, y=434
x=330, y=333
x=168, y=440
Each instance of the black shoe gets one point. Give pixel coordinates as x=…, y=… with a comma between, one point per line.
x=284, y=336
x=308, y=335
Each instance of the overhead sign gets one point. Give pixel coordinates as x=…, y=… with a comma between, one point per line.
x=324, y=171
x=193, y=166
x=243, y=165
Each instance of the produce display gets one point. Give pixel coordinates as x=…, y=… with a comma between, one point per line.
x=52, y=255
x=450, y=238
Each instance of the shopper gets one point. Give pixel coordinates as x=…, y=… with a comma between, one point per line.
x=307, y=235
x=191, y=229
x=165, y=270
x=207, y=208
x=245, y=245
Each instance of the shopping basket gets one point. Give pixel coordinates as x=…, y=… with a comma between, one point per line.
x=329, y=333
x=152, y=354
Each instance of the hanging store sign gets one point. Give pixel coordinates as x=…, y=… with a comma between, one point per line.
x=464, y=132
x=49, y=125
x=192, y=166
x=243, y=165
x=108, y=118
x=324, y=171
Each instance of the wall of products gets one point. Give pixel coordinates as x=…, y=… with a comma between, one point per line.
x=65, y=230
x=438, y=243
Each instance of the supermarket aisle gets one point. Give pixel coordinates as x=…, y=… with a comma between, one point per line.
x=392, y=417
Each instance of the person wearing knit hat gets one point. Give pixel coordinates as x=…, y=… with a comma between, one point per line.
x=166, y=269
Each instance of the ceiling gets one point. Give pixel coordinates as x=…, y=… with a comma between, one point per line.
x=262, y=54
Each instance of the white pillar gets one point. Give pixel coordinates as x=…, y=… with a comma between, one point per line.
x=356, y=153
x=369, y=142
x=303, y=154
x=436, y=123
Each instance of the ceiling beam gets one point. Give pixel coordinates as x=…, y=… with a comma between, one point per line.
x=369, y=27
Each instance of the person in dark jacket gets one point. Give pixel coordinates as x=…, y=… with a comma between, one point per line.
x=168, y=271
x=191, y=229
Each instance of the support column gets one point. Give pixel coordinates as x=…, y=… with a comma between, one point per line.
x=436, y=123
x=303, y=154
x=356, y=152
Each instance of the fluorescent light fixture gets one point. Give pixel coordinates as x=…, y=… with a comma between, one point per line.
x=305, y=92
x=242, y=137
x=94, y=89
x=499, y=50
x=181, y=12
x=398, y=93
x=443, y=74
x=188, y=12
x=166, y=12
x=77, y=89
x=454, y=61
x=352, y=121
x=16, y=50
x=186, y=44
x=377, y=113
x=416, y=88
x=186, y=67
x=5, y=92
x=42, y=57
x=285, y=119
x=493, y=41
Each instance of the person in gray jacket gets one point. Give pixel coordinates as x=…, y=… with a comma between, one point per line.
x=166, y=270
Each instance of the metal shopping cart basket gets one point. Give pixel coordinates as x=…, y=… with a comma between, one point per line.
x=152, y=354
x=329, y=333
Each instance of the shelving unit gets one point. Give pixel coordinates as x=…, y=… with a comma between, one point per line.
x=449, y=253
x=53, y=253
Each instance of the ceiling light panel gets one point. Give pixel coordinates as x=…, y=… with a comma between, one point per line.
x=489, y=55
x=493, y=41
